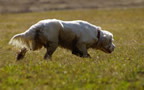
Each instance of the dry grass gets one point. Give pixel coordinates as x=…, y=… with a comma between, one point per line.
x=123, y=69
x=18, y=6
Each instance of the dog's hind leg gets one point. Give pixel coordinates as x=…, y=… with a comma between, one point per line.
x=21, y=54
x=51, y=47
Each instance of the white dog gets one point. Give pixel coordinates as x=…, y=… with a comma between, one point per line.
x=76, y=36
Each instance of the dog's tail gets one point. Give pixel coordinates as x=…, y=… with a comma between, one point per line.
x=27, y=39
x=21, y=41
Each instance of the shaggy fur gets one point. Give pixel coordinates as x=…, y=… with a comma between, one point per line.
x=76, y=36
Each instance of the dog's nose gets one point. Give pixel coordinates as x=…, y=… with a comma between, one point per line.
x=113, y=47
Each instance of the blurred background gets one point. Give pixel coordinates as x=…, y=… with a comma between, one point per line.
x=18, y=6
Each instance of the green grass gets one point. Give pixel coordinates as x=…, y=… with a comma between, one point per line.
x=121, y=70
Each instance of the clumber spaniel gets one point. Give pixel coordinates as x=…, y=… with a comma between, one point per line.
x=76, y=36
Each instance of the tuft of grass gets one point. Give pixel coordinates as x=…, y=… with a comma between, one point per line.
x=123, y=69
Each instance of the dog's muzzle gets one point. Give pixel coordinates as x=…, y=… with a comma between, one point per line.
x=111, y=48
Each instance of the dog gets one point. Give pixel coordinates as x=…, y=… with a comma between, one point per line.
x=77, y=36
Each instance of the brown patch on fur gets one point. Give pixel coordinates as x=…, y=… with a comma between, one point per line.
x=65, y=44
x=37, y=41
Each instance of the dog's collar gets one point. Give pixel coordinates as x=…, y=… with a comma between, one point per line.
x=98, y=35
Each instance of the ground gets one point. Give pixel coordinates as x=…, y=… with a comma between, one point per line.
x=121, y=70
x=14, y=6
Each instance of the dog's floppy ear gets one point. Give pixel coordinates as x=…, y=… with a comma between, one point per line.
x=98, y=28
x=107, y=34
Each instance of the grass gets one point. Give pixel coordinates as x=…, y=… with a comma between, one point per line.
x=121, y=70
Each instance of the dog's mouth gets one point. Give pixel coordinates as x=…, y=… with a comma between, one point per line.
x=108, y=50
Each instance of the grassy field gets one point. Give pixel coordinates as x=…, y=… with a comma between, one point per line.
x=121, y=70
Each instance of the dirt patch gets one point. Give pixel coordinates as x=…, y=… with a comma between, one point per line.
x=16, y=6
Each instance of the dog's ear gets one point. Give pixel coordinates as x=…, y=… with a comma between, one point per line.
x=98, y=28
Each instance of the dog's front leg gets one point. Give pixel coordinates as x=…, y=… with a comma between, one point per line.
x=82, y=50
x=51, y=47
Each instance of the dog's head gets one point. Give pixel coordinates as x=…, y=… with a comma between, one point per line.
x=107, y=42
